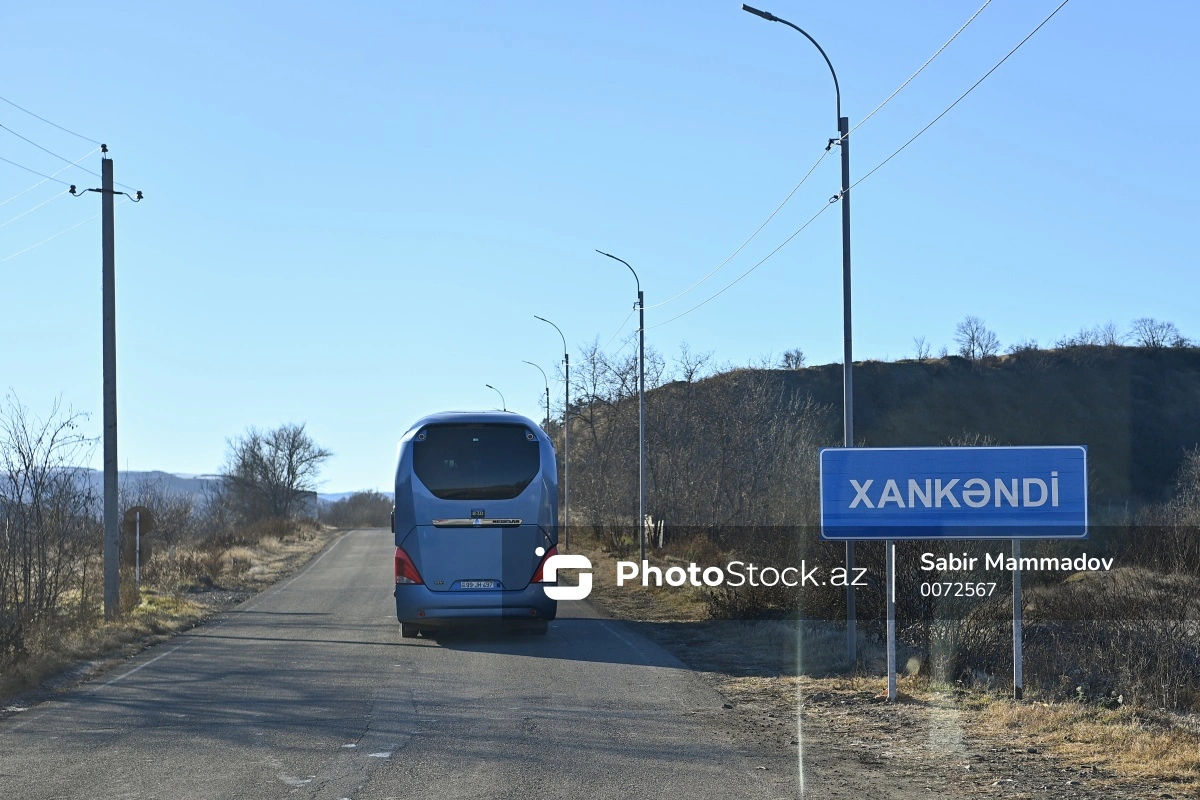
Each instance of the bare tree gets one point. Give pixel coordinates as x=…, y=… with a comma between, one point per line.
x=692, y=365
x=266, y=475
x=1110, y=334
x=1086, y=337
x=48, y=527
x=1154, y=334
x=793, y=359
x=922, y=347
x=974, y=339
x=1023, y=346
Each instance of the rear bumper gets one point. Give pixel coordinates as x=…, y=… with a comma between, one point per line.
x=416, y=604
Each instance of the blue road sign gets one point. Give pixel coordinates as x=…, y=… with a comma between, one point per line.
x=954, y=493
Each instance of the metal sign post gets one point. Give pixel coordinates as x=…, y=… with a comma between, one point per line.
x=1018, y=670
x=136, y=522
x=891, y=620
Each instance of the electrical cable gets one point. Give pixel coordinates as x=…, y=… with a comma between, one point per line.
x=618, y=333
x=39, y=183
x=960, y=98
x=34, y=171
x=887, y=100
x=60, y=233
x=35, y=208
x=48, y=122
x=60, y=158
x=811, y=220
x=915, y=74
x=811, y=170
x=878, y=166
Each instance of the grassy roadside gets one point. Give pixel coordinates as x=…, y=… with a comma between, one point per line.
x=190, y=587
x=782, y=668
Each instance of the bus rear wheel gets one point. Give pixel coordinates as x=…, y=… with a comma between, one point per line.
x=408, y=630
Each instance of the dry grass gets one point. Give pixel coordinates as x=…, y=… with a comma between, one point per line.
x=1122, y=741
x=633, y=601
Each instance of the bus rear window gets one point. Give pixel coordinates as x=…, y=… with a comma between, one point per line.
x=476, y=462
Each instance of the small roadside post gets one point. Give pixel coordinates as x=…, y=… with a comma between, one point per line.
x=136, y=521
x=953, y=493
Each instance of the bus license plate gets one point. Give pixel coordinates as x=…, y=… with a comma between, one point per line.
x=477, y=584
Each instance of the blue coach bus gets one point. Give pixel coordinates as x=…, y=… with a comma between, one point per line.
x=476, y=517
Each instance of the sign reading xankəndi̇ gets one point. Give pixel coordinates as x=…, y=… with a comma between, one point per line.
x=954, y=493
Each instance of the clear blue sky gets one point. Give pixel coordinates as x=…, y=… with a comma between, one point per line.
x=353, y=211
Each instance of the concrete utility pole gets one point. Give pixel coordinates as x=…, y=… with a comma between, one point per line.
x=112, y=569
x=112, y=525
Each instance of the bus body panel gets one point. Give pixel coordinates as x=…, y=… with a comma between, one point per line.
x=446, y=556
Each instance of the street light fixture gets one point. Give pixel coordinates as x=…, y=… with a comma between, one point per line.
x=503, y=407
x=547, y=382
x=843, y=141
x=641, y=405
x=566, y=435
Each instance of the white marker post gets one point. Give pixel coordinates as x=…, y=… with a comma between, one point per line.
x=137, y=572
x=1018, y=672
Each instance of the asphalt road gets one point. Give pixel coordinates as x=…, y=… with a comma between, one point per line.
x=308, y=691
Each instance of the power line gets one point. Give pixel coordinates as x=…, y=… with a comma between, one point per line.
x=48, y=122
x=60, y=233
x=918, y=72
x=618, y=333
x=960, y=98
x=51, y=152
x=720, y=266
x=39, y=183
x=878, y=166
x=34, y=171
x=35, y=208
x=887, y=100
x=811, y=220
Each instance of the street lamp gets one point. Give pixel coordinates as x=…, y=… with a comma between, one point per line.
x=641, y=405
x=547, y=382
x=842, y=141
x=503, y=407
x=566, y=436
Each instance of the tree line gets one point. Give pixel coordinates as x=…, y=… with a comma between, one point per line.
x=51, y=528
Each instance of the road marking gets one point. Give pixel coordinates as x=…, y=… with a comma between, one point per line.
x=624, y=639
x=143, y=666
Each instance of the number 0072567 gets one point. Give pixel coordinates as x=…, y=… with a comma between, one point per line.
x=957, y=589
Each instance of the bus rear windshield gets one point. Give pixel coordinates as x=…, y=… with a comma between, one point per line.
x=476, y=462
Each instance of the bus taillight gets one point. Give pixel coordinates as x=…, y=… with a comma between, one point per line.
x=406, y=571
x=537, y=576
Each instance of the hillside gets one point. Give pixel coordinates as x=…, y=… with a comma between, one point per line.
x=1136, y=409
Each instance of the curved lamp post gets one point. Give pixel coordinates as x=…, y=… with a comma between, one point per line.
x=503, y=407
x=566, y=435
x=641, y=405
x=842, y=141
x=546, y=381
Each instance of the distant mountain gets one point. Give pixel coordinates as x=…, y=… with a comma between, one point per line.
x=169, y=482
x=179, y=483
